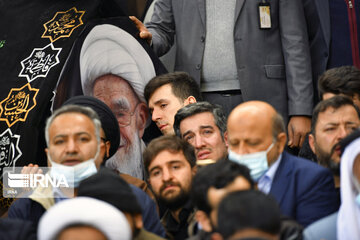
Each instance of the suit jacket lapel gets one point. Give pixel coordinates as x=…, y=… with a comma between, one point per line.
x=323, y=9
x=202, y=9
x=238, y=7
x=280, y=183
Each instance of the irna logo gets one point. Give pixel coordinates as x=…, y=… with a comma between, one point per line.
x=35, y=180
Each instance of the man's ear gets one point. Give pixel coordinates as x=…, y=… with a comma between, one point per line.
x=194, y=170
x=281, y=138
x=107, y=149
x=202, y=218
x=189, y=100
x=312, y=143
x=216, y=236
x=142, y=116
x=226, y=138
x=103, y=152
x=47, y=152
x=138, y=221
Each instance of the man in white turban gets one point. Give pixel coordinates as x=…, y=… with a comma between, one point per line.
x=348, y=221
x=84, y=218
x=115, y=68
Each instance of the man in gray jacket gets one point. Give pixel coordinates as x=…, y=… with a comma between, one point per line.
x=261, y=54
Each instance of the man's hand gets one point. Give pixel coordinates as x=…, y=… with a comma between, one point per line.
x=298, y=127
x=144, y=32
x=31, y=169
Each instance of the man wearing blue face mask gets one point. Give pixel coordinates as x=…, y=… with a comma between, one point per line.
x=256, y=138
x=74, y=151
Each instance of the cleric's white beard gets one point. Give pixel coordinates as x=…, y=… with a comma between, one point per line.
x=131, y=162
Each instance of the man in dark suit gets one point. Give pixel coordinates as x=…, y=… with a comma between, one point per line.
x=333, y=28
x=256, y=138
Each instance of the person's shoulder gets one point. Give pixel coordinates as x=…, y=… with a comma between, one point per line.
x=21, y=204
x=9, y=229
x=302, y=164
x=324, y=228
x=146, y=235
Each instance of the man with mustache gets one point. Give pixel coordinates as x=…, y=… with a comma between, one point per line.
x=333, y=119
x=203, y=125
x=170, y=164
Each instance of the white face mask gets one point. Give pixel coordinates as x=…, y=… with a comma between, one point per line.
x=256, y=162
x=74, y=174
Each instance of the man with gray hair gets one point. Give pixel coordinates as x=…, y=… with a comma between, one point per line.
x=203, y=125
x=115, y=68
x=74, y=150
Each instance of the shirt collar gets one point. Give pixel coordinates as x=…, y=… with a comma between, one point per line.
x=270, y=174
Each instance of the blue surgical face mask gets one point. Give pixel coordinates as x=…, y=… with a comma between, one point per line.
x=74, y=174
x=256, y=162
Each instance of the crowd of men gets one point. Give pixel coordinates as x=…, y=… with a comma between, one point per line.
x=243, y=154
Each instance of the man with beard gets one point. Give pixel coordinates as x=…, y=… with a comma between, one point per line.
x=115, y=69
x=170, y=164
x=333, y=119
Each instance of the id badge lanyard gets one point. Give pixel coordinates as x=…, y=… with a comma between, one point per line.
x=265, y=15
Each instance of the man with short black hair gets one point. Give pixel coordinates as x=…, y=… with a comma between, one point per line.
x=210, y=185
x=203, y=125
x=170, y=164
x=166, y=94
x=333, y=119
x=343, y=80
x=249, y=214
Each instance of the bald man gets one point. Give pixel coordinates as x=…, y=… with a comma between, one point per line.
x=256, y=136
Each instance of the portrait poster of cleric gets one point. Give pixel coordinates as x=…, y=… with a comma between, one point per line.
x=34, y=54
x=110, y=62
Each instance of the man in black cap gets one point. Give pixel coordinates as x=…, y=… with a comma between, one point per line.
x=109, y=187
x=110, y=135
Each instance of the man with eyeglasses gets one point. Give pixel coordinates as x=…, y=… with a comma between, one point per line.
x=112, y=71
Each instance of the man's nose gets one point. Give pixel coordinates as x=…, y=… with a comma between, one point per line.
x=71, y=146
x=342, y=133
x=166, y=175
x=155, y=115
x=199, y=142
x=241, y=149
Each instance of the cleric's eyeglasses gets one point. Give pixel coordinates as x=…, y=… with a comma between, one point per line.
x=124, y=116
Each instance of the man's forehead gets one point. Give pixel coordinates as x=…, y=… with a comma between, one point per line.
x=163, y=90
x=110, y=86
x=121, y=103
x=198, y=121
x=72, y=122
x=238, y=184
x=163, y=93
x=167, y=157
x=332, y=115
